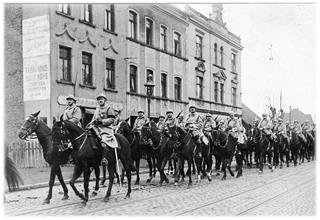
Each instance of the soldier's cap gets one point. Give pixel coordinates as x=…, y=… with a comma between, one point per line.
x=102, y=95
x=192, y=106
x=231, y=113
x=169, y=111
x=141, y=110
x=161, y=116
x=71, y=97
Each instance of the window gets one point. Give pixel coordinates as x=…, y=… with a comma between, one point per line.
x=163, y=38
x=198, y=46
x=177, y=88
x=164, y=85
x=133, y=78
x=216, y=91
x=221, y=92
x=234, y=96
x=199, y=88
x=177, y=44
x=233, y=62
x=221, y=54
x=215, y=54
x=149, y=28
x=149, y=77
x=110, y=74
x=109, y=18
x=64, y=8
x=65, y=63
x=132, y=25
x=86, y=13
x=87, y=69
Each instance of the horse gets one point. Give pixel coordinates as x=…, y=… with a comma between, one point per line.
x=263, y=148
x=283, y=146
x=295, y=147
x=225, y=145
x=186, y=149
x=87, y=157
x=55, y=157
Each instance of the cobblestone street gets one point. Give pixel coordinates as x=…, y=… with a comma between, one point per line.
x=287, y=191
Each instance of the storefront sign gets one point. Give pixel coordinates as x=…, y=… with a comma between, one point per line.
x=36, y=36
x=36, y=78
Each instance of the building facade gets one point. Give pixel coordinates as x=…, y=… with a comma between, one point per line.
x=86, y=49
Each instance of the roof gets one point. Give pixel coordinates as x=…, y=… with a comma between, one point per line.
x=296, y=114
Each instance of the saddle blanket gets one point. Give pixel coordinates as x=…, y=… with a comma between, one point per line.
x=110, y=140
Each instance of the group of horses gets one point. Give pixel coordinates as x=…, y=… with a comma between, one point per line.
x=176, y=146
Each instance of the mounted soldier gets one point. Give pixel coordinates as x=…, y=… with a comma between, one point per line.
x=298, y=130
x=168, y=122
x=242, y=132
x=72, y=112
x=194, y=124
x=209, y=125
x=140, y=121
x=101, y=123
x=160, y=123
x=117, y=118
x=307, y=130
x=181, y=122
x=266, y=125
x=281, y=130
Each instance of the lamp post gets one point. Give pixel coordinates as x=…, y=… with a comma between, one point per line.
x=149, y=90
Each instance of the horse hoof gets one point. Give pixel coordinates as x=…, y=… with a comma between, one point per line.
x=103, y=181
x=149, y=180
x=82, y=196
x=167, y=181
x=238, y=175
x=136, y=183
x=46, y=201
x=260, y=172
x=223, y=178
x=127, y=196
x=84, y=203
x=176, y=183
x=217, y=174
x=94, y=193
x=232, y=174
x=209, y=178
x=106, y=199
x=65, y=197
x=189, y=184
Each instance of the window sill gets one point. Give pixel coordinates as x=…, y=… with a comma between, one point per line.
x=87, y=23
x=200, y=59
x=110, y=32
x=110, y=90
x=61, y=81
x=87, y=86
x=220, y=67
x=156, y=97
x=64, y=15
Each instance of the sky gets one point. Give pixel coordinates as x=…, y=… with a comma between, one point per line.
x=291, y=30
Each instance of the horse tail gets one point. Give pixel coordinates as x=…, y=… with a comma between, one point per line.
x=12, y=174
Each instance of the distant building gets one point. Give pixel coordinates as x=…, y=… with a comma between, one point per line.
x=85, y=49
x=296, y=114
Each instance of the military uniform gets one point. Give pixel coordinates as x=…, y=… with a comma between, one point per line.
x=194, y=123
x=181, y=122
x=298, y=130
x=266, y=126
x=160, y=124
x=139, y=122
x=208, y=126
x=72, y=113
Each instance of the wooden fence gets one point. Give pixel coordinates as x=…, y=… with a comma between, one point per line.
x=27, y=154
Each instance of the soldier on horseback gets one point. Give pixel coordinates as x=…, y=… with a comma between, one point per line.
x=298, y=130
x=281, y=130
x=209, y=125
x=266, y=125
x=181, y=122
x=102, y=121
x=160, y=123
x=140, y=121
x=116, y=118
x=72, y=112
x=307, y=130
x=194, y=124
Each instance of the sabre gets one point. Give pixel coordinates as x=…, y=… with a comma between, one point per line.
x=115, y=151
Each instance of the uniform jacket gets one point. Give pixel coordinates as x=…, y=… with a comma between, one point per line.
x=139, y=122
x=297, y=129
x=265, y=124
x=281, y=129
x=194, y=119
x=209, y=125
x=160, y=125
x=106, y=114
x=72, y=113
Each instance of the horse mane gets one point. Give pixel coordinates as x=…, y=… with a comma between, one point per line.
x=73, y=126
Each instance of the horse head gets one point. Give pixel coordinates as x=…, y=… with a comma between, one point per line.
x=30, y=125
x=123, y=127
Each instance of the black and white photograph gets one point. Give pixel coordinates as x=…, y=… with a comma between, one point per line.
x=159, y=109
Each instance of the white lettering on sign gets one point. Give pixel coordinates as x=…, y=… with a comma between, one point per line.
x=36, y=36
x=36, y=78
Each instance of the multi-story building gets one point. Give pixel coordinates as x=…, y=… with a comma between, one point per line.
x=85, y=49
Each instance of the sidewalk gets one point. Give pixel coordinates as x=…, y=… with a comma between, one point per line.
x=39, y=177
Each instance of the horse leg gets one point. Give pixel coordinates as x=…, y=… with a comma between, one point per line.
x=111, y=170
x=137, y=171
x=63, y=184
x=177, y=172
x=163, y=176
x=154, y=166
x=150, y=169
x=53, y=171
x=239, y=164
x=76, y=174
x=97, y=174
x=86, y=178
x=193, y=167
x=189, y=172
x=104, y=170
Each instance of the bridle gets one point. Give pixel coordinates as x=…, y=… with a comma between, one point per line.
x=34, y=121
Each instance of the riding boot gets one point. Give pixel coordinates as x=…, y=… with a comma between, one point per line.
x=104, y=147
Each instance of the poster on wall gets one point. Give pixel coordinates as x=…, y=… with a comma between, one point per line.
x=36, y=78
x=36, y=36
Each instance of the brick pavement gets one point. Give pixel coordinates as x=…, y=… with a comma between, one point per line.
x=284, y=192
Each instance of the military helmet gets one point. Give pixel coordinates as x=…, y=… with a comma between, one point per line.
x=161, y=116
x=208, y=115
x=169, y=111
x=192, y=106
x=71, y=97
x=140, y=110
x=102, y=95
